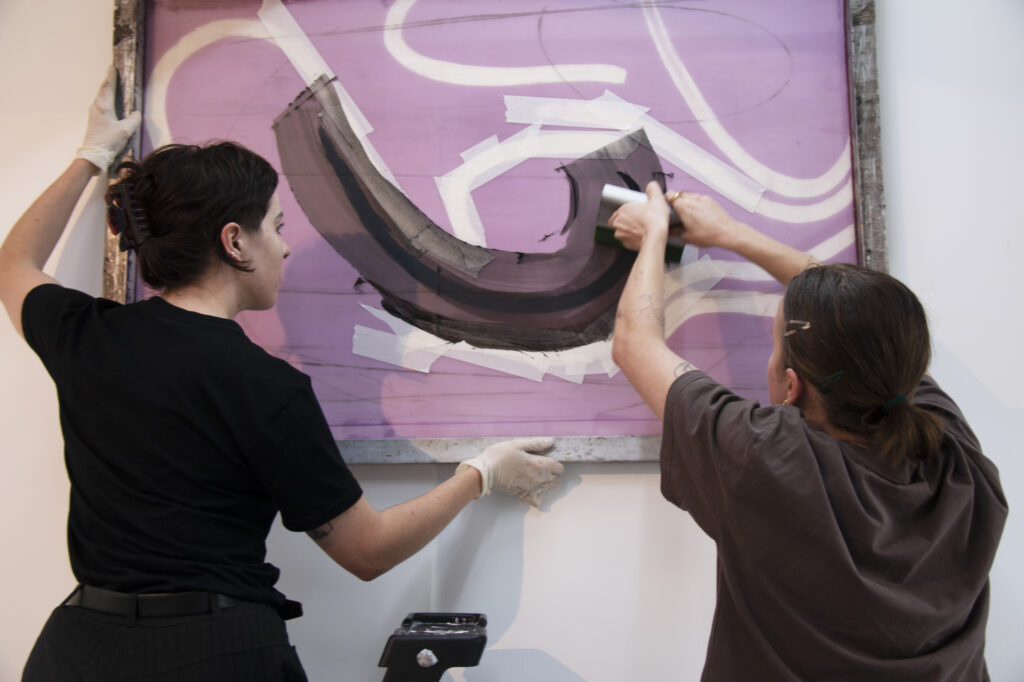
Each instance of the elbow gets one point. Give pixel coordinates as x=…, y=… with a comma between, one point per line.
x=621, y=347
x=369, y=568
x=368, y=575
x=371, y=571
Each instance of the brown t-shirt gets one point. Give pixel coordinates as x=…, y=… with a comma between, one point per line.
x=833, y=565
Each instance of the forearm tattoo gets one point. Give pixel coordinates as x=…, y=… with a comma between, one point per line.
x=649, y=305
x=321, y=532
x=682, y=368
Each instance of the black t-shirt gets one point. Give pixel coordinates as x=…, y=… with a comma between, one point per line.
x=832, y=564
x=183, y=439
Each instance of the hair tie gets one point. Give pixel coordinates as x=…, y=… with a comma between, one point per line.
x=829, y=382
x=893, y=402
x=125, y=218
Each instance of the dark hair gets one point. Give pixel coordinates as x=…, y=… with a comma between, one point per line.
x=183, y=195
x=861, y=337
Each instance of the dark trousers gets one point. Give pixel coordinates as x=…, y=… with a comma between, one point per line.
x=246, y=642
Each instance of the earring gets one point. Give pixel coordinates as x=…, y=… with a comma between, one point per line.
x=786, y=401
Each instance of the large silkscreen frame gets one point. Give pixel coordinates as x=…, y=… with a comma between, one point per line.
x=385, y=409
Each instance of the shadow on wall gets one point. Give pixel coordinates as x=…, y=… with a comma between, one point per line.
x=475, y=565
x=515, y=665
x=480, y=557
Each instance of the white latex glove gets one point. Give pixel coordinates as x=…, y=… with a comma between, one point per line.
x=508, y=467
x=106, y=135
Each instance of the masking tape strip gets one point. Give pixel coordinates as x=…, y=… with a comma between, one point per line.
x=392, y=349
x=412, y=348
x=594, y=113
x=669, y=144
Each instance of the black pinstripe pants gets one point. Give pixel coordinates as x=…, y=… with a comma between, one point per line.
x=246, y=642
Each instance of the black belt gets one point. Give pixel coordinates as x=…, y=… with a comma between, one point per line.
x=134, y=606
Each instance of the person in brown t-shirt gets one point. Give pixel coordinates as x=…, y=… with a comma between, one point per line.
x=856, y=517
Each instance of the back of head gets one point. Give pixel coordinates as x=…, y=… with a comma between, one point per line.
x=866, y=348
x=179, y=197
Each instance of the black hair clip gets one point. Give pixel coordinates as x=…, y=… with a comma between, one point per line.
x=126, y=219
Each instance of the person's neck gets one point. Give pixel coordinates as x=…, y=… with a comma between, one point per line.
x=205, y=297
x=814, y=413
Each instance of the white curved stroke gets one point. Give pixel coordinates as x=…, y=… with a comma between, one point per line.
x=466, y=74
x=492, y=158
x=157, y=125
x=684, y=154
x=777, y=182
x=275, y=25
x=807, y=213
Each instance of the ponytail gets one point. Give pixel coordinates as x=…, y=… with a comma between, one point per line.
x=907, y=433
x=864, y=344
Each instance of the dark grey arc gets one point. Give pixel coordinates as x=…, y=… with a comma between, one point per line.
x=431, y=279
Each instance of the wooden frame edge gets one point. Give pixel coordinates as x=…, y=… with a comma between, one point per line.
x=129, y=60
x=866, y=135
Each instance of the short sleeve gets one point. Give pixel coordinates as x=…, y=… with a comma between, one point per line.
x=708, y=435
x=298, y=462
x=45, y=314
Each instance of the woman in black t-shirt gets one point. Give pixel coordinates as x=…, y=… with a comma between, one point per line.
x=174, y=483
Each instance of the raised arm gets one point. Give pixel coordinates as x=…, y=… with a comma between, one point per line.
x=367, y=542
x=32, y=239
x=707, y=224
x=639, y=347
x=638, y=344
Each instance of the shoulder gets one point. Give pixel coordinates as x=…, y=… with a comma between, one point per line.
x=50, y=309
x=51, y=296
x=697, y=401
x=717, y=429
x=961, y=452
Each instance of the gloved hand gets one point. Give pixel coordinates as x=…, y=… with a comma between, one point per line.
x=508, y=467
x=106, y=135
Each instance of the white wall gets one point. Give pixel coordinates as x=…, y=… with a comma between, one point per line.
x=610, y=582
x=952, y=94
